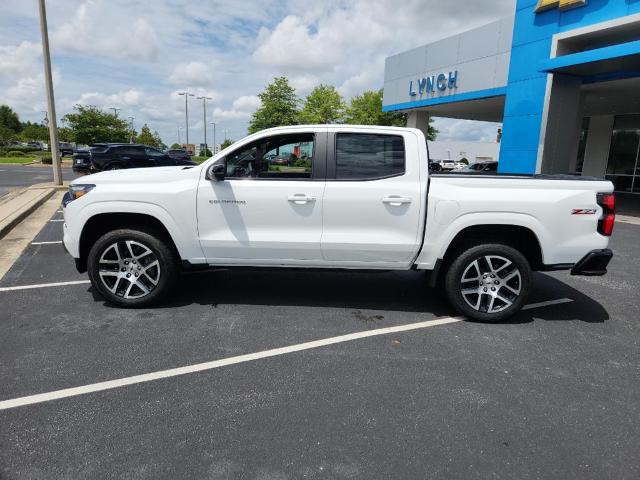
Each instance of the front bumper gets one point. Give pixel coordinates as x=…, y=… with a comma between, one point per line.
x=593, y=264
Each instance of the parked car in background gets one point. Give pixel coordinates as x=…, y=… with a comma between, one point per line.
x=178, y=154
x=117, y=156
x=481, y=167
x=447, y=165
x=66, y=148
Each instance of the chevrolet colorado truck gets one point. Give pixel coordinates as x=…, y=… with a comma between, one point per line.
x=336, y=197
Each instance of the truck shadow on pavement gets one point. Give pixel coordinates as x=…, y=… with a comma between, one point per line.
x=383, y=291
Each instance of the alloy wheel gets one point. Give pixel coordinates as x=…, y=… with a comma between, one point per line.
x=129, y=269
x=491, y=284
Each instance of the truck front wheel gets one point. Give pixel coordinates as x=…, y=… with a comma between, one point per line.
x=488, y=283
x=131, y=268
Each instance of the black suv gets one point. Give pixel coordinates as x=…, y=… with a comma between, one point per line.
x=115, y=156
x=178, y=154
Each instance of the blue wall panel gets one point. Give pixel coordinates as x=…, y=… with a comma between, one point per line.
x=527, y=84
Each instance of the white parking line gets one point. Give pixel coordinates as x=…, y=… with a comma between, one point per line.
x=547, y=304
x=57, y=220
x=200, y=367
x=47, y=243
x=43, y=285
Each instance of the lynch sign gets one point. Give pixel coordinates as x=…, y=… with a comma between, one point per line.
x=429, y=85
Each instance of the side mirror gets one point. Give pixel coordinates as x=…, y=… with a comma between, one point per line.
x=217, y=172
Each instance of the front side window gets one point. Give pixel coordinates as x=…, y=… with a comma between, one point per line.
x=280, y=157
x=362, y=156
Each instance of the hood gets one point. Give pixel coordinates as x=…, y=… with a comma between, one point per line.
x=138, y=175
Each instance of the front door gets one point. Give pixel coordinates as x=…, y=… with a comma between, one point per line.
x=268, y=209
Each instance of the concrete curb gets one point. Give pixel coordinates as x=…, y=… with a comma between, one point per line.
x=21, y=206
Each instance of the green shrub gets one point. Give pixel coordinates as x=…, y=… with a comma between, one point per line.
x=302, y=163
x=15, y=153
x=45, y=158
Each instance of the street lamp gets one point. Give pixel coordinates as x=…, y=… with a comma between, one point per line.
x=214, y=136
x=131, y=122
x=115, y=110
x=186, y=110
x=51, y=104
x=204, y=109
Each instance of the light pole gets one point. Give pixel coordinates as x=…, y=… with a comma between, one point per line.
x=115, y=110
x=214, y=136
x=51, y=104
x=204, y=110
x=131, y=121
x=186, y=110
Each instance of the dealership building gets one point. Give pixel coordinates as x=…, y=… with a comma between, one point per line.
x=563, y=78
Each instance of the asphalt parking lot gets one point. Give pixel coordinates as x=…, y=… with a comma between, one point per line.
x=16, y=176
x=551, y=394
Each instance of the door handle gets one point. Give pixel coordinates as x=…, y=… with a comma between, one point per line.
x=396, y=200
x=301, y=199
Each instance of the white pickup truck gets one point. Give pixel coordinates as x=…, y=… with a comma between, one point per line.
x=337, y=197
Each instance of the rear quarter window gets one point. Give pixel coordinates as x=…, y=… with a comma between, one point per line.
x=361, y=156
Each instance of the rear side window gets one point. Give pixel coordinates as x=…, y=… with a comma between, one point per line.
x=361, y=156
x=129, y=150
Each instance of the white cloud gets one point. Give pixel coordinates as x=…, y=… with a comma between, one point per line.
x=467, y=130
x=192, y=74
x=127, y=98
x=291, y=45
x=247, y=103
x=98, y=29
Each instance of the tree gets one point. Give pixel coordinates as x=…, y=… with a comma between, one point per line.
x=227, y=143
x=206, y=153
x=279, y=106
x=366, y=109
x=158, y=139
x=147, y=138
x=89, y=124
x=33, y=131
x=323, y=105
x=65, y=134
x=176, y=146
x=9, y=119
x=6, y=135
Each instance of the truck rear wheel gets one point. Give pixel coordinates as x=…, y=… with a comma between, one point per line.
x=488, y=283
x=131, y=268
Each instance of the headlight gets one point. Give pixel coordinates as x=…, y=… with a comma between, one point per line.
x=75, y=192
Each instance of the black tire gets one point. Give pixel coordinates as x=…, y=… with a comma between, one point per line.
x=114, y=166
x=508, y=284
x=104, y=263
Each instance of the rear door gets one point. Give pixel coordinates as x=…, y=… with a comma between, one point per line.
x=373, y=205
x=268, y=209
x=133, y=156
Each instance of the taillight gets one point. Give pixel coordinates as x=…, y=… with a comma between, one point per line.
x=608, y=203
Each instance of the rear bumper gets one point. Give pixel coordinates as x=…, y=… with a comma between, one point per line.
x=593, y=264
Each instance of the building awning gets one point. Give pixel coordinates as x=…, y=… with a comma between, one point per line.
x=621, y=59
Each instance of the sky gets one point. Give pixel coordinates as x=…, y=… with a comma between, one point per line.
x=137, y=55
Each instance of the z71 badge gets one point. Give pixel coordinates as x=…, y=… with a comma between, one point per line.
x=583, y=211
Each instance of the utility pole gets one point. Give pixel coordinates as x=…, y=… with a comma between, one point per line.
x=51, y=104
x=214, y=136
x=115, y=110
x=186, y=110
x=204, y=109
x=131, y=120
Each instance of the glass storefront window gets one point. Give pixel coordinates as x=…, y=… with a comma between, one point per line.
x=582, y=145
x=623, y=167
